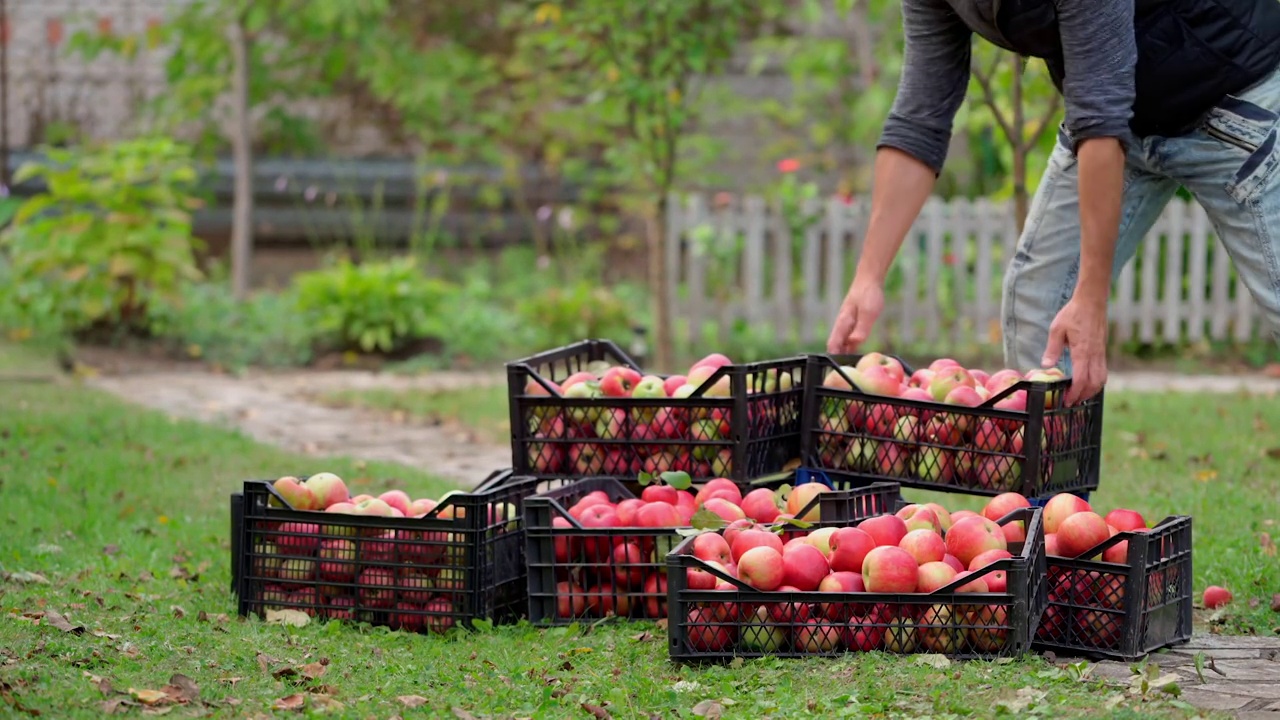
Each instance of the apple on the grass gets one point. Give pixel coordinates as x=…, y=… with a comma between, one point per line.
x=1215, y=596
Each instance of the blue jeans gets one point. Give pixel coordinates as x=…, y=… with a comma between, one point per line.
x=1230, y=163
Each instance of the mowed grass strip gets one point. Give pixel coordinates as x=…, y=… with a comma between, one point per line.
x=116, y=519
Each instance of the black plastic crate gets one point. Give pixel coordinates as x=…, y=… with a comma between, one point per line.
x=463, y=561
x=576, y=571
x=719, y=625
x=742, y=422
x=1122, y=611
x=1041, y=451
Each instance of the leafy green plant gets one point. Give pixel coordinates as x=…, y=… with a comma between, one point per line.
x=106, y=238
x=374, y=307
x=580, y=310
x=206, y=322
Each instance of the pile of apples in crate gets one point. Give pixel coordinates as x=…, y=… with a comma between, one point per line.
x=609, y=573
x=328, y=569
x=895, y=440
x=648, y=427
x=920, y=549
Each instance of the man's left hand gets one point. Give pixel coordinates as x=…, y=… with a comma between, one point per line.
x=1081, y=326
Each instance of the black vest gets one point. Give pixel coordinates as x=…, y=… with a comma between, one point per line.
x=1191, y=53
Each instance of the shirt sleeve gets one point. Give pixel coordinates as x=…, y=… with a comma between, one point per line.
x=1100, y=57
x=935, y=76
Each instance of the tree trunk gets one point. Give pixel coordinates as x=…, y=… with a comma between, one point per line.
x=1020, y=148
x=663, y=350
x=241, y=138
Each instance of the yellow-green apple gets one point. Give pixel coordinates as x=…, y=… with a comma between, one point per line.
x=715, y=360
x=933, y=575
x=761, y=634
x=415, y=587
x=583, y=391
x=337, y=560
x=1125, y=520
x=327, y=489
x=1080, y=532
x=658, y=514
x=753, y=538
x=841, y=582
x=699, y=377
x=860, y=455
x=1003, y=504
x=849, y=548
x=800, y=498
x=972, y=536
x=335, y=530
x=889, y=569
x=875, y=380
x=725, y=509
x=571, y=600
x=906, y=428
x=761, y=567
x=820, y=539
x=297, y=538
x=397, y=499
x=761, y=505
x=884, y=529
x=890, y=365
x=612, y=424
x=804, y=566
x=954, y=562
x=839, y=379
x=619, y=381
x=296, y=494
x=704, y=633
x=266, y=559
x=934, y=465
x=722, y=463
x=900, y=636
x=947, y=379
x=940, y=629
x=817, y=635
x=377, y=587
x=943, y=515
x=923, y=518
x=1052, y=374
x=924, y=546
x=421, y=507
x=716, y=486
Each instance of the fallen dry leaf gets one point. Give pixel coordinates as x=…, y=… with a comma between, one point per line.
x=463, y=714
x=116, y=704
x=149, y=697
x=110, y=549
x=643, y=637
x=183, y=688
x=597, y=712
x=295, y=618
x=412, y=701
x=311, y=671
x=324, y=703
x=1275, y=603
x=27, y=578
x=264, y=662
x=1273, y=453
x=709, y=709
x=56, y=620
x=292, y=702
x=178, y=611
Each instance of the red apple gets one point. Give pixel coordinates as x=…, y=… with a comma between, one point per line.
x=884, y=529
x=628, y=511
x=1216, y=596
x=933, y=575
x=761, y=567
x=658, y=514
x=817, y=635
x=377, y=587
x=953, y=561
x=736, y=528
x=716, y=485
x=1125, y=520
x=841, y=582
x=571, y=600
x=712, y=546
x=705, y=634
x=725, y=509
x=849, y=548
x=889, y=570
x=1080, y=532
x=801, y=496
x=924, y=545
x=655, y=596
x=327, y=489
x=296, y=494
x=1051, y=545
x=659, y=493
x=970, y=537
x=1060, y=507
x=761, y=505
x=976, y=585
x=749, y=539
x=619, y=382
x=1003, y=504
x=399, y=500
x=629, y=564
x=607, y=599
x=804, y=567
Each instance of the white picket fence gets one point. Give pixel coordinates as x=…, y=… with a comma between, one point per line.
x=736, y=263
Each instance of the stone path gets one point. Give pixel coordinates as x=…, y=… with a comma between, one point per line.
x=1247, y=683
x=273, y=408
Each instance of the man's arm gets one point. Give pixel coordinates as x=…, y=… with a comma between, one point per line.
x=1100, y=56
x=909, y=156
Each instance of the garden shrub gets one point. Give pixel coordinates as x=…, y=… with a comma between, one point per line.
x=206, y=322
x=107, y=237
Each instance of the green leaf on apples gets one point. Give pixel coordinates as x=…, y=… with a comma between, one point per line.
x=1199, y=658
x=645, y=478
x=783, y=492
x=677, y=479
x=689, y=532
x=706, y=520
x=794, y=522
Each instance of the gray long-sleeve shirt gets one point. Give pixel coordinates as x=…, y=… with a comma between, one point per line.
x=1098, y=50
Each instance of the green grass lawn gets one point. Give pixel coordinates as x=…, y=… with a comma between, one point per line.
x=115, y=519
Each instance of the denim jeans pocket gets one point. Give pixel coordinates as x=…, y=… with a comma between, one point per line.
x=1249, y=132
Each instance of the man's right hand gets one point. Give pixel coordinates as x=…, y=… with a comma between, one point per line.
x=858, y=313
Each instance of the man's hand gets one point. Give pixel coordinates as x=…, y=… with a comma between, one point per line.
x=1082, y=326
x=858, y=313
